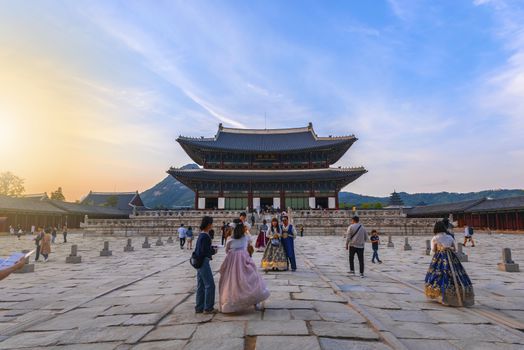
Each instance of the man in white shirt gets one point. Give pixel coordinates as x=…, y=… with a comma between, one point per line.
x=182, y=235
x=356, y=238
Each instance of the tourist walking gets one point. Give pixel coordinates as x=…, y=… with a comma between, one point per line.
x=375, y=241
x=356, y=238
x=182, y=235
x=243, y=217
x=468, y=236
x=19, y=232
x=261, y=242
x=274, y=257
x=45, y=248
x=11, y=230
x=189, y=238
x=253, y=220
x=53, y=234
x=223, y=230
x=240, y=286
x=446, y=279
x=204, y=251
x=38, y=240
x=64, y=233
x=288, y=237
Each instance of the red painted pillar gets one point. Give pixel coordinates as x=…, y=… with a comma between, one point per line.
x=506, y=221
x=517, y=220
x=196, y=199
x=336, y=200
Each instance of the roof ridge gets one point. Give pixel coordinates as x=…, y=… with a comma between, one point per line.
x=113, y=193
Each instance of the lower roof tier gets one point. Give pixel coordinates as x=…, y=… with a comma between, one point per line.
x=343, y=176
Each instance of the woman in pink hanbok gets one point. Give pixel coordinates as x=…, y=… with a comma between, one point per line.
x=240, y=285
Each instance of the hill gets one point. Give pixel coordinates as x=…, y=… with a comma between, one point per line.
x=170, y=193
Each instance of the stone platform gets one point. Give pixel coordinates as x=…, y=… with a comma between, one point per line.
x=145, y=300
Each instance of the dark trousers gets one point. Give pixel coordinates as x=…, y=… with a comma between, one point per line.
x=65, y=237
x=205, y=293
x=182, y=242
x=37, y=256
x=375, y=255
x=360, y=256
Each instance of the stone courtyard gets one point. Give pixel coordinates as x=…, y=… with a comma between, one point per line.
x=145, y=299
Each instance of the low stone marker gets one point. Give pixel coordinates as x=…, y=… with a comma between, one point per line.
x=407, y=246
x=390, y=242
x=170, y=239
x=428, y=247
x=129, y=247
x=463, y=257
x=159, y=241
x=73, y=258
x=507, y=263
x=146, y=243
x=106, y=251
x=27, y=267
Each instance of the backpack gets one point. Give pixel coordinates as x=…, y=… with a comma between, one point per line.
x=196, y=261
x=470, y=230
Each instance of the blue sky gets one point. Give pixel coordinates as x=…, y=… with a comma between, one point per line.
x=433, y=89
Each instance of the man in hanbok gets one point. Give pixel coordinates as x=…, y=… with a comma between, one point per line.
x=288, y=235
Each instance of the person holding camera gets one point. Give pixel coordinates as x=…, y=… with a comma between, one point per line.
x=204, y=251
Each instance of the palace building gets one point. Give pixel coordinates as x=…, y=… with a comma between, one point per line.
x=258, y=168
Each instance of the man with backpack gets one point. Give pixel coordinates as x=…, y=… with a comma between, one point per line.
x=356, y=238
x=468, y=236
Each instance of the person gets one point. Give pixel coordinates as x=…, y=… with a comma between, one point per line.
x=19, y=232
x=223, y=230
x=253, y=220
x=33, y=230
x=375, y=241
x=53, y=235
x=243, y=217
x=4, y=272
x=189, y=238
x=302, y=231
x=356, y=237
x=38, y=239
x=446, y=280
x=468, y=236
x=261, y=239
x=45, y=248
x=205, y=292
x=274, y=257
x=449, y=227
x=64, y=233
x=182, y=235
x=240, y=286
x=288, y=236
x=11, y=230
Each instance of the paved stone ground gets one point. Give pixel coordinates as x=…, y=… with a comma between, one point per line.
x=144, y=300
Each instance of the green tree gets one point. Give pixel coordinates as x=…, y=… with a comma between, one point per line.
x=58, y=195
x=111, y=201
x=11, y=185
x=365, y=206
x=378, y=205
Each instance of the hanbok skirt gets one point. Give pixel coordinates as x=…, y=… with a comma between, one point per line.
x=240, y=285
x=274, y=257
x=447, y=281
x=261, y=241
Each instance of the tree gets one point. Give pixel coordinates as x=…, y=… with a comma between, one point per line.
x=58, y=195
x=111, y=201
x=365, y=206
x=11, y=185
x=378, y=205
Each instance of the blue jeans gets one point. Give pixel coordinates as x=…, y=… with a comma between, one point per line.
x=205, y=294
x=375, y=255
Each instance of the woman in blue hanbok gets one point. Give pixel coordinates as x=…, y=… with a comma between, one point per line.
x=446, y=280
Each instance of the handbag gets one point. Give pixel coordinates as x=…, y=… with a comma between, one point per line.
x=196, y=261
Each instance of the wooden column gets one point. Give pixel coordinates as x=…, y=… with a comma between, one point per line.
x=506, y=221
x=487, y=220
x=196, y=200
x=517, y=219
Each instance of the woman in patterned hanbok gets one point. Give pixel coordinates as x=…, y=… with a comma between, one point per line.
x=274, y=257
x=446, y=280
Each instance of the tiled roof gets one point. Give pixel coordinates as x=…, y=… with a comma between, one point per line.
x=443, y=209
x=509, y=203
x=89, y=210
x=124, y=200
x=266, y=140
x=345, y=175
x=28, y=205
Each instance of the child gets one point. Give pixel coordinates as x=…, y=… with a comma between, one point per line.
x=375, y=241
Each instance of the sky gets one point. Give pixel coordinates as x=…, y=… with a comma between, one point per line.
x=93, y=94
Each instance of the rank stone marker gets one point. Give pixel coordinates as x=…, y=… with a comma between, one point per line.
x=129, y=247
x=390, y=242
x=106, y=251
x=170, y=239
x=27, y=267
x=428, y=247
x=461, y=255
x=146, y=243
x=507, y=263
x=159, y=241
x=73, y=258
x=407, y=246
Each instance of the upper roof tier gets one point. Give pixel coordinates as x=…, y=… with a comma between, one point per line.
x=265, y=141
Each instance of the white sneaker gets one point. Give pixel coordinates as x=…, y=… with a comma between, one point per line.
x=361, y=275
